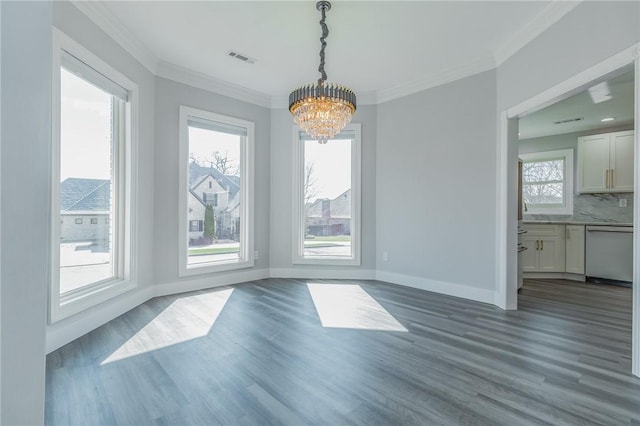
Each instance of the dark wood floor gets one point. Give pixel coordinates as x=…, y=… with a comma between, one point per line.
x=563, y=358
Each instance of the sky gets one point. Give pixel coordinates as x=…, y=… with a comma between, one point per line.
x=85, y=129
x=204, y=143
x=331, y=166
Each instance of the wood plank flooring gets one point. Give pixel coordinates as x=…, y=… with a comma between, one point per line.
x=258, y=355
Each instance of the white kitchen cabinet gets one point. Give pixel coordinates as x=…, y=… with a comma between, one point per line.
x=545, y=248
x=605, y=162
x=574, y=253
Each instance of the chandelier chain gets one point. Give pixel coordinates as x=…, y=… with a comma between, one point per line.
x=325, y=34
x=322, y=109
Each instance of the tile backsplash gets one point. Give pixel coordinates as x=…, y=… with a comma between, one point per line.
x=594, y=208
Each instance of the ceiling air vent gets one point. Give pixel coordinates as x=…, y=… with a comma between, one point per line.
x=240, y=57
x=569, y=120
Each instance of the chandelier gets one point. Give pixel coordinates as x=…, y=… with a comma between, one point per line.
x=322, y=109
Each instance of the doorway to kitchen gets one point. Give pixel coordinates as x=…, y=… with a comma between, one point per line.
x=507, y=238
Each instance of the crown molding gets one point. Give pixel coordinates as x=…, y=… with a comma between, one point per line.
x=551, y=14
x=482, y=64
x=367, y=98
x=212, y=84
x=104, y=19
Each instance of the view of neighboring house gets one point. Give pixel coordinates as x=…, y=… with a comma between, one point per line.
x=208, y=186
x=84, y=209
x=330, y=217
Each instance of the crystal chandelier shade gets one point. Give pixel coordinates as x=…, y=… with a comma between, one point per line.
x=322, y=109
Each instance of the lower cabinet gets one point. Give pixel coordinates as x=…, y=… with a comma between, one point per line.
x=575, y=249
x=545, y=248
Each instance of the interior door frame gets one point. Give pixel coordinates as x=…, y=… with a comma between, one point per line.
x=506, y=231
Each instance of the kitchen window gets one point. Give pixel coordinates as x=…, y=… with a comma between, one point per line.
x=547, y=182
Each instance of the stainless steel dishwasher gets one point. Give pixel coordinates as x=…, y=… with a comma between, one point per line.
x=609, y=252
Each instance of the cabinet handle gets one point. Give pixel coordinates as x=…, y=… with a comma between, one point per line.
x=612, y=180
x=537, y=244
x=541, y=245
x=606, y=178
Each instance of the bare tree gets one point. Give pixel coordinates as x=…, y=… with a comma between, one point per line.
x=310, y=183
x=543, y=181
x=224, y=164
x=194, y=158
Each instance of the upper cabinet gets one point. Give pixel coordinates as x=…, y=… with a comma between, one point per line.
x=605, y=162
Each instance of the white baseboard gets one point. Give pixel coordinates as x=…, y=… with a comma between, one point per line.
x=323, y=273
x=66, y=331
x=442, y=287
x=218, y=280
x=69, y=329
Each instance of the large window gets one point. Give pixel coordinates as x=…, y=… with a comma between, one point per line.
x=547, y=182
x=216, y=175
x=327, y=198
x=91, y=150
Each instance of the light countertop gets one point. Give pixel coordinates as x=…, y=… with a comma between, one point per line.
x=568, y=222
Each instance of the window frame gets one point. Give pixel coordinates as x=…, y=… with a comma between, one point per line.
x=298, y=256
x=567, y=156
x=246, y=255
x=124, y=177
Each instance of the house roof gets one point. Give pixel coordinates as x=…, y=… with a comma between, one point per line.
x=339, y=207
x=198, y=173
x=77, y=194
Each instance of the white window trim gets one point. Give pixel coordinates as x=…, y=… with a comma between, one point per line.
x=126, y=206
x=567, y=154
x=246, y=196
x=298, y=209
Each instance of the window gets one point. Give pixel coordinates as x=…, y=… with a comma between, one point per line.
x=195, y=226
x=216, y=186
x=547, y=182
x=92, y=154
x=326, y=191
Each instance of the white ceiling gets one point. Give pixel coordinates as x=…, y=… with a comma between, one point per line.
x=620, y=107
x=374, y=47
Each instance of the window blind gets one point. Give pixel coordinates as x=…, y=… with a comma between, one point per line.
x=89, y=74
x=203, y=123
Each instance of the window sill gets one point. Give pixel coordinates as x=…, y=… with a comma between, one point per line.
x=327, y=261
x=209, y=268
x=75, y=302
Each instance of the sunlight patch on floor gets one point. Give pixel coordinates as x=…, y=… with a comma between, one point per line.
x=185, y=319
x=349, y=306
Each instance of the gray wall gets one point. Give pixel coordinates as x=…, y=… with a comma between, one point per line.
x=436, y=183
x=25, y=165
x=169, y=96
x=589, y=34
x=282, y=193
x=76, y=25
